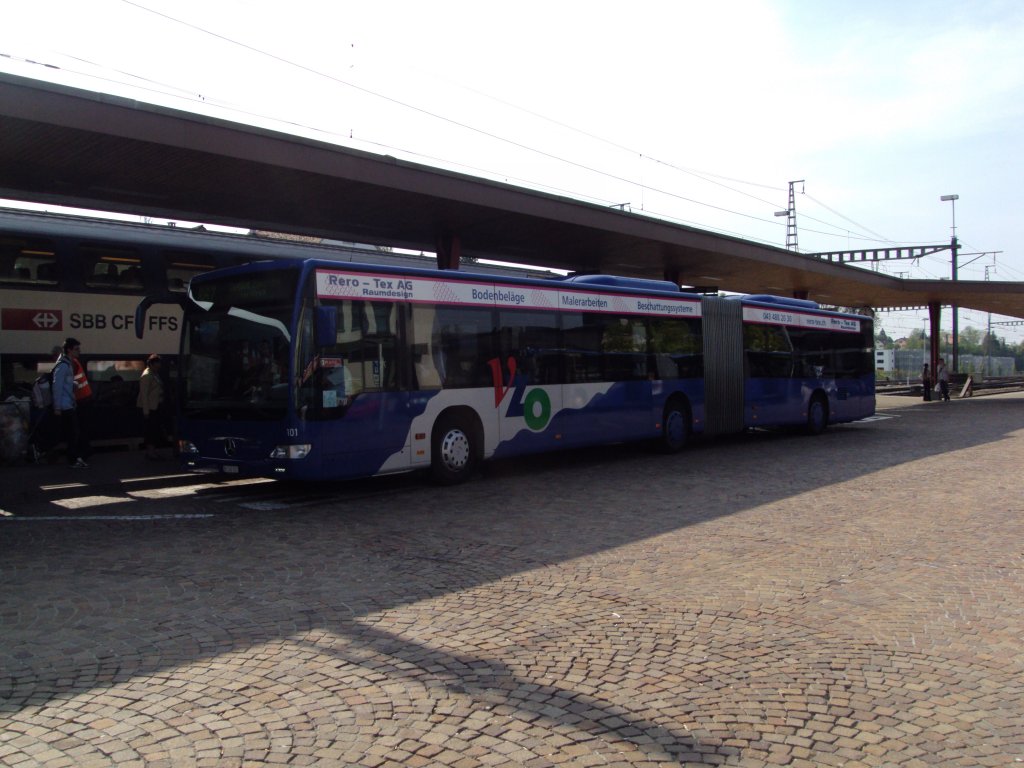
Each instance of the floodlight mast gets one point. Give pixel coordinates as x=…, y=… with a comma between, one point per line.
x=953, y=247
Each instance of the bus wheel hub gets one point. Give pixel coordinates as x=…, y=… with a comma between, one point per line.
x=455, y=449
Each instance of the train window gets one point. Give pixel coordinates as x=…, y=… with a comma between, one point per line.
x=111, y=267
x=182, y=266
x=115, y=382
x=27, y=260
x=114, y=370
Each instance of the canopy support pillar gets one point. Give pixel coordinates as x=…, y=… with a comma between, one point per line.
x=449, y=250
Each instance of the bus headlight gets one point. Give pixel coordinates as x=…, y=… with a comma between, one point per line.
x=291, y=451
x=186, y=447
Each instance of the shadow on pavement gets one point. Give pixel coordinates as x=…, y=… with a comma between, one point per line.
x=87, y=605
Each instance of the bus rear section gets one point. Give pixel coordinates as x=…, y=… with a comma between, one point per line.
x=773, y=361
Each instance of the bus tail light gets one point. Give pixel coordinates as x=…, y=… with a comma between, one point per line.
x=291, y=451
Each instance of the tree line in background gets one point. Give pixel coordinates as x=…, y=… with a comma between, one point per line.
x=972, y=342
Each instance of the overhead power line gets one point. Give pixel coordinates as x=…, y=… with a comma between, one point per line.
x=703, y=175
x=879, y=237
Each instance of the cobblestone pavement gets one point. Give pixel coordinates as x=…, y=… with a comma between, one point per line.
x=855, y=599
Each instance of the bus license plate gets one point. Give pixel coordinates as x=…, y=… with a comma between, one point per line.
x=229, y=469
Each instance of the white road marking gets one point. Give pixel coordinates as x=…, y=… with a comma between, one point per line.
x=103, y=518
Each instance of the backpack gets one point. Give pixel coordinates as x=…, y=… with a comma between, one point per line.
x=42, y=391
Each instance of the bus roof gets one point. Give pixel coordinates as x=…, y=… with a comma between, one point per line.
x=607, y=283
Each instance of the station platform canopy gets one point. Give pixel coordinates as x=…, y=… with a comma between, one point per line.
x=72, y=147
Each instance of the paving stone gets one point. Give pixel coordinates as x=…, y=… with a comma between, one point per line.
x=769, y=599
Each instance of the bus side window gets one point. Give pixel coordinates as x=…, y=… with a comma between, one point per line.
x=532, y=338
x=623, y=348
x=427, y=360
x=676, y=348
x=582, y=343
x=379, y=347
x=360, y=357
x=461, y=343
x=768, y=351
x=814, y=352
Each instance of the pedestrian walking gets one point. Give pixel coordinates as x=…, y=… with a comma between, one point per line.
x=84, y=405
x=942, y=374
x=65, y=406
x=151, y=397
x=43, y=426
x=926, y=382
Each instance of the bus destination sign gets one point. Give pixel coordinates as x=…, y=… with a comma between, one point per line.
x=335, y=284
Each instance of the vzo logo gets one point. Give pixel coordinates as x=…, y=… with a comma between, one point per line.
x=535, y=407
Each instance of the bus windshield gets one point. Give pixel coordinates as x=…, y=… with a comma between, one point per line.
x=235, y=346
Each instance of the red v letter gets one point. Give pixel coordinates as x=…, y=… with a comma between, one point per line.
x=500, y=390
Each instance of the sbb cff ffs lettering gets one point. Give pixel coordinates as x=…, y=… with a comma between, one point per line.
x=161, y=323
x=99, y=322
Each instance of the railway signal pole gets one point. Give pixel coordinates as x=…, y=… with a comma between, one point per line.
x=953, y=246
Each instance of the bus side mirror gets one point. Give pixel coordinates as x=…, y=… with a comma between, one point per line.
x=326, y=326
x=140, y=315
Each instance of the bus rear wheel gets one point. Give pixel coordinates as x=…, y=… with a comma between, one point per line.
x=454, y=450
x=817, y=415
x=675, y=427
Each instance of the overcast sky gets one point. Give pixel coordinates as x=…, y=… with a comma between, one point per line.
x=697, y=112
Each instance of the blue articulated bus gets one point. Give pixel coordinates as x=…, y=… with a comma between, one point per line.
x=315, y=370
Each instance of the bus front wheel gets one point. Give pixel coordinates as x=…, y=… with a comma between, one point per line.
x=454, y=452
